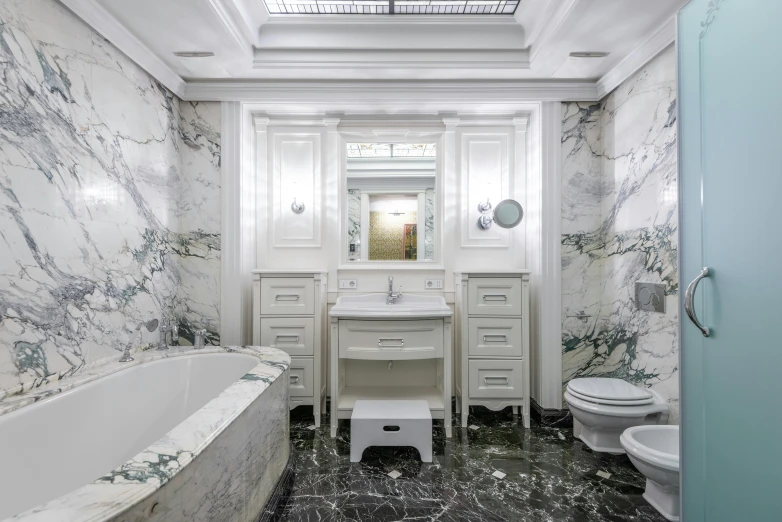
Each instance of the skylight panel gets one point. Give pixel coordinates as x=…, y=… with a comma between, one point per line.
x=397, y=7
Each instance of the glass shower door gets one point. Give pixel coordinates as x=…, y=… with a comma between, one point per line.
x=730, y=130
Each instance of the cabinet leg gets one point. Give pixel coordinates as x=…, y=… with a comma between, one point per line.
x=317, y=419
x=464, y=417
x=515, y=410
x=526, y=419
x=458, y=404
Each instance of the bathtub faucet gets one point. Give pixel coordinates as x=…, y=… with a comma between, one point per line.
x=164, y=329
x=150, y=326
x=200, y=339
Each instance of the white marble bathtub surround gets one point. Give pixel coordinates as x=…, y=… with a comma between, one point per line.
x=221, y=463
x=93, y=196
x=619, y=222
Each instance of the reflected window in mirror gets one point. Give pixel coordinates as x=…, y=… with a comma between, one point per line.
x=391, y=201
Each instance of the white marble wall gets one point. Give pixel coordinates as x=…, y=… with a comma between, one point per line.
x=106, y=197
x=198, y=208
x=619, y=225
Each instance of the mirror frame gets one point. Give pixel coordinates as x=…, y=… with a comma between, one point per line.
x=423, y=134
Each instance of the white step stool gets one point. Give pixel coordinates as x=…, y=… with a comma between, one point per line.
x=391, y=423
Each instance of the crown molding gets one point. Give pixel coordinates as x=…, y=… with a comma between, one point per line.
x=396, y=95
x=657, y=41
x=548, y=25
x=97, y=17
x=238, y=32
x=416, y=58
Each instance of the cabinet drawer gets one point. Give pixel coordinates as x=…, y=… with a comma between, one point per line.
x=494, y=296
x=287, y=296
x=301, y=377
x=494, y=337
x=496, y=379
x=293, y=335
x=389, y=340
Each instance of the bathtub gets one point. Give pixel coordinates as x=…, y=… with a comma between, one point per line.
x=185, y=435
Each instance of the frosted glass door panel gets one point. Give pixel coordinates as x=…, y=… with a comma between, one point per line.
x=731, y=184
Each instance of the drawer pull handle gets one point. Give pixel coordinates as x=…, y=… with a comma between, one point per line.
x=293, y=338
x=286, y=297
x=294, y=379
x=391, y=429
x=495, y=297
x=399, y=340
x=504, y=380
x=498, y=338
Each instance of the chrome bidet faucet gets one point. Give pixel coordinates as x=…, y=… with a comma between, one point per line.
x=392, y=296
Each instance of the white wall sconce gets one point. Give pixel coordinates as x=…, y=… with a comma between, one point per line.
x=507, y=214
x=296, y=207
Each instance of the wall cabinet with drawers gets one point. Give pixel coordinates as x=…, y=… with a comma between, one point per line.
x=492, y=313
x=288, y=314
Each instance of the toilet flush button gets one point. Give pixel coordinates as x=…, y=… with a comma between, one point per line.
x=650, y=297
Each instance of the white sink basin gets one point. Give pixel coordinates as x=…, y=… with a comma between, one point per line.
x=373, y=306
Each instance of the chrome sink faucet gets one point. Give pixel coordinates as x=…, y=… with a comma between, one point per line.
x=392, y=296
x=166, y=327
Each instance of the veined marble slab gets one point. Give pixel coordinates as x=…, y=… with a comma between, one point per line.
x=619, y=226
x=109, y=199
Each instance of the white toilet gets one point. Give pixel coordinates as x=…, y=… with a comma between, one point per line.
x=603, y=408
x=654, y=450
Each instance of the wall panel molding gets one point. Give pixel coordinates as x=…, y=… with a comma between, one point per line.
x=484, y=172
x=297, y=174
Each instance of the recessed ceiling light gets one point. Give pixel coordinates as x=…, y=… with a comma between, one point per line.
x=589, y=54
x=194, y=54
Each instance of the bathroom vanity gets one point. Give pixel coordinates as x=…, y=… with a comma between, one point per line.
x=384, y=350
x=493, y=341
x=288, y=310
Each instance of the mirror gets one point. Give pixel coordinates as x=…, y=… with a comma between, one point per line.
x=390, y=201
x=507, y=214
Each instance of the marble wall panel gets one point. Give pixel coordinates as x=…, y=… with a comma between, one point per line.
x=109, y=212
x=619, y=226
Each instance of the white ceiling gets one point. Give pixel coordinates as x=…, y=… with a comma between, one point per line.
x=248, y=43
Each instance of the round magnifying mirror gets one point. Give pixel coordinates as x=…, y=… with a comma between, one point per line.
x=508, y=213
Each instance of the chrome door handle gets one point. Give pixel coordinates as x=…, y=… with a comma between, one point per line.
x=495, y=297
x=288, y=297
x=294, y=337
x=294, y=379
x=688, y=306
x=500, y=338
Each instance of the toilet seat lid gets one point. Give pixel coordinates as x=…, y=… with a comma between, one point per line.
x=602, y=388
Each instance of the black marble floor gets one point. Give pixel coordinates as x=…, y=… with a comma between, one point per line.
x=549, y=477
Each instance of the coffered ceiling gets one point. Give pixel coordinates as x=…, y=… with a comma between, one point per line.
x=531, y=42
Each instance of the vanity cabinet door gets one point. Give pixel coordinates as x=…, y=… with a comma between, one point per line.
x=496, y=379
x=391, y=340
x=287, y=296
x=292, y=335
x=494, y=337
x=494, y=296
